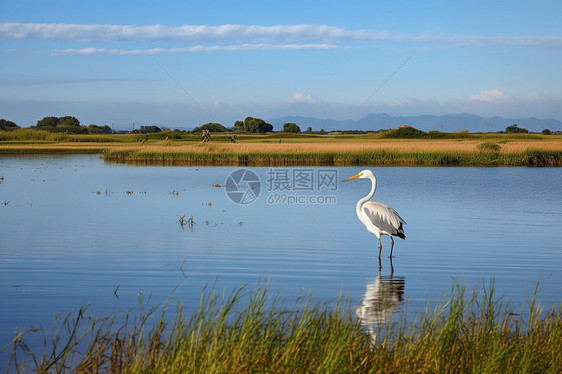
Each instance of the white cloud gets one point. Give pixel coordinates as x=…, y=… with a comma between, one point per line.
x=493, y=96
x=275, y=34
x=498, y=97
x=543, y=41
x=189, y=33
x=198, y=48
x=533, y=96
x=300, y=97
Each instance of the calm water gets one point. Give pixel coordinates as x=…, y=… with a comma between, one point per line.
x=75, y=229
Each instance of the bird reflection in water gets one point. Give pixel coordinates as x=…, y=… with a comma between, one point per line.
x=383, y=297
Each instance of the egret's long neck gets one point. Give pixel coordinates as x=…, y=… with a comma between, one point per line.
x=366, y=198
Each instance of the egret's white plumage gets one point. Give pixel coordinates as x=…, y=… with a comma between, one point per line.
x=378, y=218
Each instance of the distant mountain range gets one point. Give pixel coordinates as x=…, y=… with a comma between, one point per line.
x=446, y=123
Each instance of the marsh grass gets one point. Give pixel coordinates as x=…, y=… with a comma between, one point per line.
x=489, y=146
x=296, y=149
x=31, y=134
x=388, y=152
x=334, y=156
x=255, y=331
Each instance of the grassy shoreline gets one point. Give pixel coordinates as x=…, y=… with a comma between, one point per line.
x=367, y=158
x=255, y=332
x=303, y=150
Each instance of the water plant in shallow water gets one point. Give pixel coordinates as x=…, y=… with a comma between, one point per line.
x=255, y=331
x=375, y=157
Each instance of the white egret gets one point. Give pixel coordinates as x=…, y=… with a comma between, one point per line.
x=378, y=218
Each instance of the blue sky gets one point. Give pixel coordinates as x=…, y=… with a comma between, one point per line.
x=185, y=63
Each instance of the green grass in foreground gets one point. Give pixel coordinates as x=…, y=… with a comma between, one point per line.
x=240, y=333
x=365, y=158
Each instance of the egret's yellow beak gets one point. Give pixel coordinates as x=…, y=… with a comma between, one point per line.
x=354, y=177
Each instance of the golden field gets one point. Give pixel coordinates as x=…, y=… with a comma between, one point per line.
x=301, y=149
x=290, y=145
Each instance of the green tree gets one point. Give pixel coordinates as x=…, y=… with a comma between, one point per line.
x=513, y=129
x=71, y=125
x=68, y=124
x=404, y=132
x=6, y=125
x=546, y=132
x=256, y=125
x=48, y=122
x=291, y=127
x=149, y=129
x=238, y=126
x=252, y=125
x=309, y=129
x=212, y=127
x=95, y=129
x=68, y=121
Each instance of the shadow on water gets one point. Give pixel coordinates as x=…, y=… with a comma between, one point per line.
x=383, y=297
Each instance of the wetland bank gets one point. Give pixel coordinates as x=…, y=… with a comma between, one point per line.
x=88, y=231
x=284, y=149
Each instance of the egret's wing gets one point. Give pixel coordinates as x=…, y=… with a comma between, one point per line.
x=384, y=217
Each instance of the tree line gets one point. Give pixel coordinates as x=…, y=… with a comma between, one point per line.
x=66, y=124
x=71, y=125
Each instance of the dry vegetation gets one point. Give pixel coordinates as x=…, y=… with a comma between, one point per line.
x=341, y=152
x=303, y=149
x=338, y=146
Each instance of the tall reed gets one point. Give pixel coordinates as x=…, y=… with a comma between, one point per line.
x=375, y=157
x=242, y=332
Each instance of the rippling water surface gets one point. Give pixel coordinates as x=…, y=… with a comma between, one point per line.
x=76, y=230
